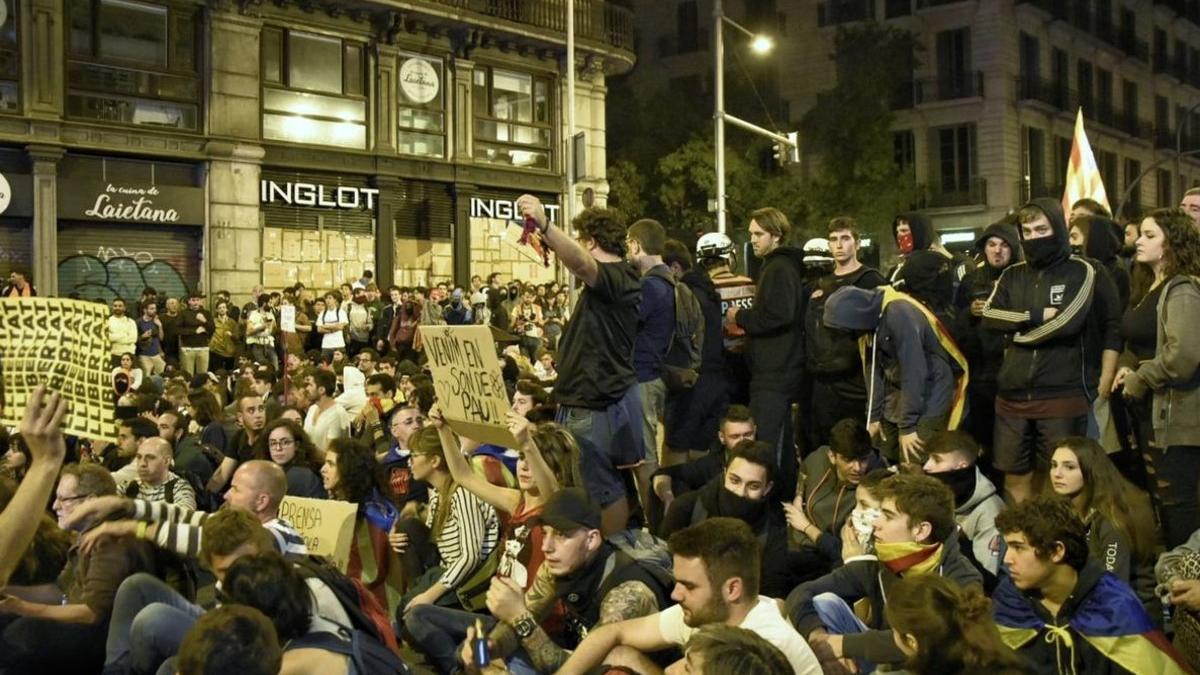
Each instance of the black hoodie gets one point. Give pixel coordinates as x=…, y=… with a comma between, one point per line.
x=1104, y=245
x=775, y=350
x=984, y=348
x=1045, y=357
x=923, y=236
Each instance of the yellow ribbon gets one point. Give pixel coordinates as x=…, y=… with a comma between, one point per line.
x=1059, y=636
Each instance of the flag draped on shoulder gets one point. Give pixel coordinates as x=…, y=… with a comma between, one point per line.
x=1083, y=176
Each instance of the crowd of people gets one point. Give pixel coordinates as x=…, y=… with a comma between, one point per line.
x=970, y=461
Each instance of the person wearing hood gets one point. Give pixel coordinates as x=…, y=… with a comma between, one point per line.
x=1000, y=247
x=952, y=460
x=914, y=535
x=775, y=348
x=745, y=491
x=1043, y=304
x=916, y=374
x=913, y=232
x=457, y=312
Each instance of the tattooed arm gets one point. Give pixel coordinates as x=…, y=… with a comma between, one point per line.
x=538, y=601
x=628, y=600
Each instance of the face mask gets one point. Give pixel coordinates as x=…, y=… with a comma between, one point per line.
x=734, y=506
x=905, y=243
x=1041, y=252
x=960, y=481
x=863, y=521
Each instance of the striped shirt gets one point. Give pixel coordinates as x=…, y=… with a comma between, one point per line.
x=179, y=529
x=182, y=494
x=468, y=536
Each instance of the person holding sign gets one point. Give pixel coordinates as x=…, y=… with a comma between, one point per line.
x=597, y=388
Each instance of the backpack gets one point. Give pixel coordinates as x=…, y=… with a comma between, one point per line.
x=830, y=351
x=646, y=550
x=367, y=655
x=366, y=614
x=681, y=368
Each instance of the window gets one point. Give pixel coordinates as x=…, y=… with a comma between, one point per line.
x=954, y=62
x=1108, y=164
x=905, y=149
x=1162, y=113
x=1164, y=187
x=1084, y=74
x=1034, y=160
x=422, y=113
x=1062, y=156
x=512, y=118
x=1030, y=58
x=1104, y=95
x=133, y=62
x=956, y=158
x=10, y=60
x=1133, y=169
x=687, y=26
x=1059, y=62
x=313, y=89
x=1129, y=96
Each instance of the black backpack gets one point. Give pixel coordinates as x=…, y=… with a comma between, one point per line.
x=829, y=351
x=371, y=620
x=682, y=365
x=366, y=653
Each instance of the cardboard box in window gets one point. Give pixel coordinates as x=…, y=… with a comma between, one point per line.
x=335, y=246
x=272, y=243
x=293, y=246
x=311, y=247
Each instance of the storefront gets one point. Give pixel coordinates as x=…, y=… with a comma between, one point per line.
x=318, y=229
x=124, y=225
x=422, y=214
x=16, y=215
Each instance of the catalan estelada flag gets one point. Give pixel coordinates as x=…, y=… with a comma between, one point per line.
x=1110, y=619
x=1083, y=176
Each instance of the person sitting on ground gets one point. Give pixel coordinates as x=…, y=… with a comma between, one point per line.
x=737, y=425
x=1122, y=535
x=826, y=496
x=288, y=446
x=231, y=639
x=719, y=648
x=188, y=450
x=952, y=460
x=326, y=420
x=946, y=629
x=549, y=460
x=915, y=534
x=1062, y=611
x=155, y=480
x=395, y=465
x=716, y=569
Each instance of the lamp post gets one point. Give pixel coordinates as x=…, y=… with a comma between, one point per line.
x=760, y=44
x=1179, y=154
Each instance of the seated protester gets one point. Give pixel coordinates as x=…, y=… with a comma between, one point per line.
x=549, y=460
x=395, y=465
x=945, y=628
x=719, y=648
x=858, y=534
x=36, y=573
x=596, y=582
x=737, y=425
x=493, y=463
x=743, y=491
x=313, y=643
x=205, y=411
x=349, y=474
x=32, y=635
x=130, y=432
x=127, y=377
x=189, y=452
x=1121, y=530
x=155, y=480
x=325, y=420
x=231, y=639
x=381, y=400
x=251, y=417
x=15, y=456
x=828, y=485
x=264, y=385
x=451, y=555
x=716, y=569
x=288, y=446
x=952, y=459
x=1061, y=611
x=915, y=534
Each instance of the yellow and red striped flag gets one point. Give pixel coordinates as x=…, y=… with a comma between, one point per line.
x=1083, y=176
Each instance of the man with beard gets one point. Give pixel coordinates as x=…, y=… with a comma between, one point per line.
x=122, y=332
x=743, y=491
x=1043, y=304
x=716, y=582
x=736, y=425
x=952, y=459
x=984, y=348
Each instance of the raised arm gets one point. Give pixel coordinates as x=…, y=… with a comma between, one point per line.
x=503, y=499
x=543, y=476
x=572, y=255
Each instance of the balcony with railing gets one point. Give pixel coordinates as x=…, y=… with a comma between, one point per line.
x=1027, y=190
x=672, y=45
x=930, y=90
x=595, y=20
x=1133, y=125
x=973, y=193
x=835, y=12
x=1050, y=92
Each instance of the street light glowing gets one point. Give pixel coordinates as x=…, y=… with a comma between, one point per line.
x=761, y=44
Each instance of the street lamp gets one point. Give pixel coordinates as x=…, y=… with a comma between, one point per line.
x=1179, y=154
x=760, y=44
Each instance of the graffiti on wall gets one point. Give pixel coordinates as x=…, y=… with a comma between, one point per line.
x=116, y=273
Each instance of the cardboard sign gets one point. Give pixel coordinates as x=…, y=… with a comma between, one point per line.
x=470, y=388
x=326, y=525
x=63, y=344
x=287, y=318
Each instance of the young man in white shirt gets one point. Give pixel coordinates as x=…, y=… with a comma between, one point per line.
x=716, y=567
x=326, y=420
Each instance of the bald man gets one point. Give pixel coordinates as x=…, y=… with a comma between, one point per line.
x=155, y=480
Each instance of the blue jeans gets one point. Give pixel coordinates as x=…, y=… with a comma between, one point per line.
x=839, y=619
x=608, y=438
x=149, y=620
x=438, y=633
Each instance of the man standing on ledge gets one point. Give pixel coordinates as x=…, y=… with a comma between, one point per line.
x=597, y=391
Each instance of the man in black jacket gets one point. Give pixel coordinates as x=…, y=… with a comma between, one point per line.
x=774, y=324
x=1043, y=304
x=195, y=330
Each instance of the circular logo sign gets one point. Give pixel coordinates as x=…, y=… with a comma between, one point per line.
x=419, y=80
x=5, y=194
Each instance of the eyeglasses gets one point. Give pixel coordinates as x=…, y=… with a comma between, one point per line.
x=281, y=443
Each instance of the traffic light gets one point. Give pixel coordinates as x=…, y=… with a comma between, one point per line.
x=781, y=153
x=788, y=153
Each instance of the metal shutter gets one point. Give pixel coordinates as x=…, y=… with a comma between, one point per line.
x=349, y=221
x=421, y=209
x=16, y=243
x=110, y=260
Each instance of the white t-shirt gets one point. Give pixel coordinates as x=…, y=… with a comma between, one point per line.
x=323, y=427
x=336, y=339
x=765, y=620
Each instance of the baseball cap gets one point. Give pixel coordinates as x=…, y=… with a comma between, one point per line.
x=570, y=509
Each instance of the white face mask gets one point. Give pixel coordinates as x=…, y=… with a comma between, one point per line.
x=863, y=521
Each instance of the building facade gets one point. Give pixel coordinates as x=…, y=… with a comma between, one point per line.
x=986, y=120
x=177, y=143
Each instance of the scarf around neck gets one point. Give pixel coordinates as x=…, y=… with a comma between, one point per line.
x=909, y=556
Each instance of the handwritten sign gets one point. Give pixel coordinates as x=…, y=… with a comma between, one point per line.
x=326, y=525
x=287, y=318
x=466, y=376
x=63, y=344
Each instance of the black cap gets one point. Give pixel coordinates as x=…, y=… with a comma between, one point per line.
x=570, y=509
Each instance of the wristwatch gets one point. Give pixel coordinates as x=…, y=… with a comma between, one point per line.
x=524, y=626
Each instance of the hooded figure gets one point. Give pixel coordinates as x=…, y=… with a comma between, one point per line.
x=916, y=374
x=1102, y=243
